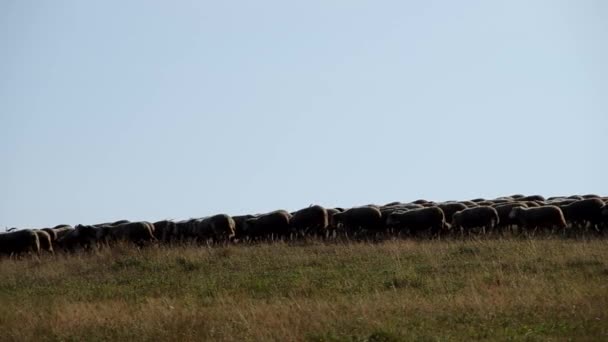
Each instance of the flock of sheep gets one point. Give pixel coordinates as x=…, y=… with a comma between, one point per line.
x=516, y=214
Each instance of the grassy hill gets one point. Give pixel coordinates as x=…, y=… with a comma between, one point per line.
x=397, y=290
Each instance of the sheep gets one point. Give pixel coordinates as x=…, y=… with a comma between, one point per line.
x=331, y=226
x=219, y=228
x=449, y=208
x=19, y=242
x=532, y=198
x=182, y=231
x=413, y=221
x=60, y=226
x=583, y=212
x=119, y=222
x=313, y=221
x=139, y=233
x=67, y=240
x=482, y=217
x=239, y=227
x=86, y=236
x=359, y=219
x=503, y=199
x=273, y=225
x=52, y=234
x=531, y=204
x=387, y=210
x=392, y=204
x=408, y=206
x=45, y=240
x=560, y=201
x=469, y=204
x=605, y=216
x=163, y=230
x=503, y=210
x=62, y=230
x=486, y=203
x=546, y=217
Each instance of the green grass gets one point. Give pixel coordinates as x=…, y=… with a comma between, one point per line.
x=392, y=291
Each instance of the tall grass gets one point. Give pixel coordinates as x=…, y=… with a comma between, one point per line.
x=398, y=290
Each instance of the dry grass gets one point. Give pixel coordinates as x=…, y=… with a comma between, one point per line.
x=402, y=290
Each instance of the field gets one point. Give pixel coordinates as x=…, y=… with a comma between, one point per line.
x=539, y=289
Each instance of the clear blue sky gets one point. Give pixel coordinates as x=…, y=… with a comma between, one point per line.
x=177, y=109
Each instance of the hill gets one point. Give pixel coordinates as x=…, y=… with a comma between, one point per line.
x=396, y=290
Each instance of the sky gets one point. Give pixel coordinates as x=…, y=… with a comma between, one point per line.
x=149, y=110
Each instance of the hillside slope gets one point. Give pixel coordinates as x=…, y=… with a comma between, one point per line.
x=396, y=290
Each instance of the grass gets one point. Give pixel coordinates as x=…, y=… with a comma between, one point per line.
x=391, y=291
